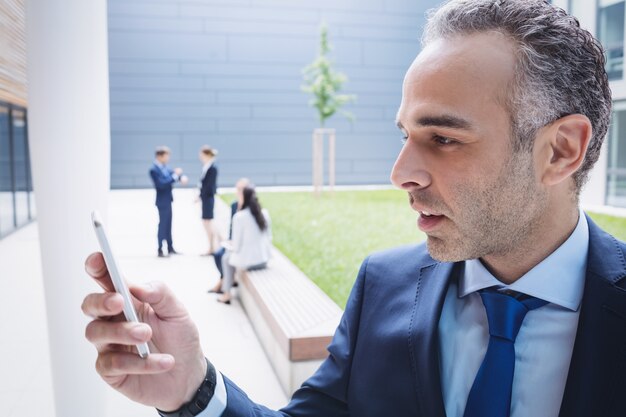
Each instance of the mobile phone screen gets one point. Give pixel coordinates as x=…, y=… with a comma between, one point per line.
x=116, y=277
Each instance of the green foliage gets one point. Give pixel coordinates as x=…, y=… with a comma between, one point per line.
x=324, y=83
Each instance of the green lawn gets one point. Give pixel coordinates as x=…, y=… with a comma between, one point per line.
x=328, y=237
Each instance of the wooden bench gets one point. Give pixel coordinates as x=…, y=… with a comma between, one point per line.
x=293, y=319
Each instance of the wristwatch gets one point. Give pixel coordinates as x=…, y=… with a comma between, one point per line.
x=199, y=401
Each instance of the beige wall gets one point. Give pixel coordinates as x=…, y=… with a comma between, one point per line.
x=12, y=52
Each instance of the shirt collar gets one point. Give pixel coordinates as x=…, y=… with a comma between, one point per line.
x=558, y=279
x=157, y=163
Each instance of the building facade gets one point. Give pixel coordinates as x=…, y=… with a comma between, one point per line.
x=227, y=73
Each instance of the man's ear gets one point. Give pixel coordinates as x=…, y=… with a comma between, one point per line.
x=563, y=147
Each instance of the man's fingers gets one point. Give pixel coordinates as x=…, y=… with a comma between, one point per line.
x=97, y=269
x=103, y=304
x=115, y=364
x=161, y=299
x=102, y=333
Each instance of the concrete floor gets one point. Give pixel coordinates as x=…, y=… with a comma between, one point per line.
x=227, y=337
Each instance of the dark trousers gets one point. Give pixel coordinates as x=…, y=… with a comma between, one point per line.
x=217, y=257
x=165, y=226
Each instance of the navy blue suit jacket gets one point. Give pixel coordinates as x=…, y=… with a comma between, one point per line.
x=208, y=186
x=384, y=357
x=163, y=180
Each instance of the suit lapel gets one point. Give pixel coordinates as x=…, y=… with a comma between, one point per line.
x=598, y=363
x=423, y=336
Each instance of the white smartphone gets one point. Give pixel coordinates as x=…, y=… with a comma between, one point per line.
x=116, y=277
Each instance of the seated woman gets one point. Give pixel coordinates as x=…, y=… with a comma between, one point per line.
x=250, y=247
x=234, y=208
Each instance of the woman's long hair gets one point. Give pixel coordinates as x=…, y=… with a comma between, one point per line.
x=251, y=201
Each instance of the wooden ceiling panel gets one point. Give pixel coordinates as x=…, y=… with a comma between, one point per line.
x=13, y=85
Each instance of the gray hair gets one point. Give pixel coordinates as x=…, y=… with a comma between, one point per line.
x=559, y=69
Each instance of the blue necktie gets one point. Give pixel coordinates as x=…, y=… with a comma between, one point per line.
x=490, y=395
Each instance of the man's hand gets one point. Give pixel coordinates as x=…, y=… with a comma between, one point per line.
x=184, y=180
x=175, y=368
x=178, y=171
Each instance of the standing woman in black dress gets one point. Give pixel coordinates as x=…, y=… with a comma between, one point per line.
x=208, y=188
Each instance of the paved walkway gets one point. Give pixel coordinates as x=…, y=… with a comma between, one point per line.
x=226, y=335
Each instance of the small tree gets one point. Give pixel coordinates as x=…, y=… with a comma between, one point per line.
x=324, y=83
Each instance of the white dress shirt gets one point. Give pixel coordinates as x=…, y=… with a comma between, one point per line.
x=544, y=345
x=205, y=168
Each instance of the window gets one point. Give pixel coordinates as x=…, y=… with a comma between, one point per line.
x=616, y=171
x=20, y=167
x=611, y=35
x=16, y=196
x=7, y=223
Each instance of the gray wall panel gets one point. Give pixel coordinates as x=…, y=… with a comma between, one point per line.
x=128, y=146
x=167, y=45
x=327, y=5
x=151, y=82
x=143, y=98
x=228, y=73
x=271, y=49
x=140, y=67
x=156, y=25
x=147, y=125
x=253, y=12
x=263, y=97
x=287, y=28
x=141, y=8
x=186, y=111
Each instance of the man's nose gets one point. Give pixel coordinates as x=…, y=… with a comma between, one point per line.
x=409, y=171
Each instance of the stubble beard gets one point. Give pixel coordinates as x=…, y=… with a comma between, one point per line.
x=494, y=218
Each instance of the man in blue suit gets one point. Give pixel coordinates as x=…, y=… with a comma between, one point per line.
x=516, y=305
x=164, y=178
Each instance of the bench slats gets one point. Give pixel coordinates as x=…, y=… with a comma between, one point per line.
x=300, y=315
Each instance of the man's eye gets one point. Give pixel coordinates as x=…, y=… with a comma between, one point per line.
x=403, y=139
x=442, y=140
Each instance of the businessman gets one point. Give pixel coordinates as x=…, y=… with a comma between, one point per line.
x=163, y=178
x=516, y=304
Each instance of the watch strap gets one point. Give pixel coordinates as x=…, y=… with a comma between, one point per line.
x=200, y=400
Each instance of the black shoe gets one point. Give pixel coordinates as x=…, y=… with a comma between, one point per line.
x=215, y=291
x=223, y=302
x=173, y=252
x=235, y=284
x=161, y=254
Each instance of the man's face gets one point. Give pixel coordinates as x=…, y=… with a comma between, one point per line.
x=457, y=163
x=164, y=158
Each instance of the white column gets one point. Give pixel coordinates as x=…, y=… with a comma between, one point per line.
x=68, y=100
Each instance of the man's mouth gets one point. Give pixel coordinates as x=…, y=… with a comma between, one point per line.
x=428, y=221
